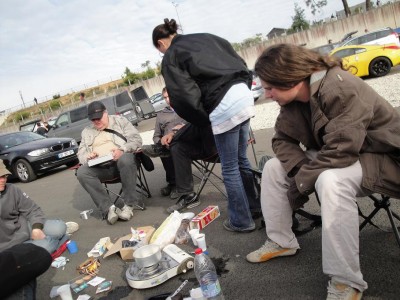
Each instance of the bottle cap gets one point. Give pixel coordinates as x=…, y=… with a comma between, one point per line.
x=198, y=251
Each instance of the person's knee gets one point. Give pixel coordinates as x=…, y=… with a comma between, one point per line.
x=126, y=159
x=326, y=180
x=82, y=173
x=272, y=165
x=55, y=228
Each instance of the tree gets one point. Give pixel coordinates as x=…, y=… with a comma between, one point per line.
x=316, y=5
x=299, y=20
x=146, y=64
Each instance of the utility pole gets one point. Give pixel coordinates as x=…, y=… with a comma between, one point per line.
x=20, y=93
x=176, y=9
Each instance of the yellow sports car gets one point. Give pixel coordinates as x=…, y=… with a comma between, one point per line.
x=364, y=60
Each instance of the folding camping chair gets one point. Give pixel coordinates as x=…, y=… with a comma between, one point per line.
x=141, y=185
x=141, y=182
x=381, y=202
x=206, y=168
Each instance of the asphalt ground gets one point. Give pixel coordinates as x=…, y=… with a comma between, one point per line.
x=298, y=277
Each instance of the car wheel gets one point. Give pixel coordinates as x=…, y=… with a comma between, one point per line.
x=24, y=171
x=379, y=66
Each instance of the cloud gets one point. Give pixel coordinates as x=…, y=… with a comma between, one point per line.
x=47, y=47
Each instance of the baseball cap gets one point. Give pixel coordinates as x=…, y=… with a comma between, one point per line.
x=3, y=169
x=95, y=110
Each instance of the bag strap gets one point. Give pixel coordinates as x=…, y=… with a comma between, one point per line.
x=116, y=133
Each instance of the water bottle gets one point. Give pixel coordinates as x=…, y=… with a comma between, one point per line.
x=207, y=276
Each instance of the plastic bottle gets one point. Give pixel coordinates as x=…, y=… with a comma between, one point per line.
x=207, y=276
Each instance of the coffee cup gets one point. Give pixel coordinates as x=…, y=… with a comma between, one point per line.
x=86, y=214
x=193, y=233
x=72, y=247
x=201, y=241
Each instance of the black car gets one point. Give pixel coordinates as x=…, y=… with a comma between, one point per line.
x=26, y=154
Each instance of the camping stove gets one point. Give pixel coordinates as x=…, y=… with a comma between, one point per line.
x=173, y=262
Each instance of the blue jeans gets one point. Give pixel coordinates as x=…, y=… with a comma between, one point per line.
x=238, y=178
x=55, y=231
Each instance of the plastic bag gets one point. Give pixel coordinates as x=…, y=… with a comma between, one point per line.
x=182, y=235
x=165, y=234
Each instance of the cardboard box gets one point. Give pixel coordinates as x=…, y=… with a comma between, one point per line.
x=205, y=217
x=99, y=248
x=127, y=253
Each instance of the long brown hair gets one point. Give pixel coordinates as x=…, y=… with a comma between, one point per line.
x=163, y=31
x=285, y=65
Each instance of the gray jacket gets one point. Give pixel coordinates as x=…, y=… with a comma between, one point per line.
x=117, y=123
x=166, y=120
x=17, y=211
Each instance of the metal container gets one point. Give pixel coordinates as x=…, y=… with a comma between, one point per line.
x=147, y=256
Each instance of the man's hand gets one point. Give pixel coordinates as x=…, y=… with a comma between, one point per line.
x=38, y=234
x=296, y=199
x=166, y=139
x=116, y=153
x=92, y=155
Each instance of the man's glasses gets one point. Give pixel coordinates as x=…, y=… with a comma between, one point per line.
x=4, y=176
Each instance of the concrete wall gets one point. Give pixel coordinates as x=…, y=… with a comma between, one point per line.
x=384, y=16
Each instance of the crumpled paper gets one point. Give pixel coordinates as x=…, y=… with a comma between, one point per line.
x=59, y=262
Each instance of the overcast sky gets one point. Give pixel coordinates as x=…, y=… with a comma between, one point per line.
x=52, y=46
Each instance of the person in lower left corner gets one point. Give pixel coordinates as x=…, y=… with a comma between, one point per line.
x=23, y=221
x=23, y=264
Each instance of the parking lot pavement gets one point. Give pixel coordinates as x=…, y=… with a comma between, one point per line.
x=299, y=277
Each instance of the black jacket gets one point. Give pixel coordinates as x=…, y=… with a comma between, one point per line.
x=198, y=70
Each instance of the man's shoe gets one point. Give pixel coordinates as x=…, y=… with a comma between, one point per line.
x=174, y=194
x=156, y=150
x=71, y=227
x=269, y=250
x=112, y=216
x=340, y=291
x=184, y=202
x=126, y=213
x=166, y=190
x=228, y=226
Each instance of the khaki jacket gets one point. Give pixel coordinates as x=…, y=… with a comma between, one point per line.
x=117, y=123
x=345, y=121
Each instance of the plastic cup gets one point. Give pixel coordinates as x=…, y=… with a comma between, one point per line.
x=201, y=241
x=72, y=247
x=86, y=214
x=64, y=292
x=193, y=233
x=197, y=294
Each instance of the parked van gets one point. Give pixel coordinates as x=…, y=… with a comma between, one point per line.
x=72, y=122
x=144, y=107
x=125, y=105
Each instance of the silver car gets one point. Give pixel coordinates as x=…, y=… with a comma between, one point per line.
x=158, y=102
x=256, y=87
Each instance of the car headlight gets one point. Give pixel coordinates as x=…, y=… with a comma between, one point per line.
x=74, y=143
x=39, y=152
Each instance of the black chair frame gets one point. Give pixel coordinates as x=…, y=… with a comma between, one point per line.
x=206, y=168
x=141, y=187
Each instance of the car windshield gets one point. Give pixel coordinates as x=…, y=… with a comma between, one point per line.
x=17, y=138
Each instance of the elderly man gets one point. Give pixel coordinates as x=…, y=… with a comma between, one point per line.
x=113, y=135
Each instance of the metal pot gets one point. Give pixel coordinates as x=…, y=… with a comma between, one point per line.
x=147, y=256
